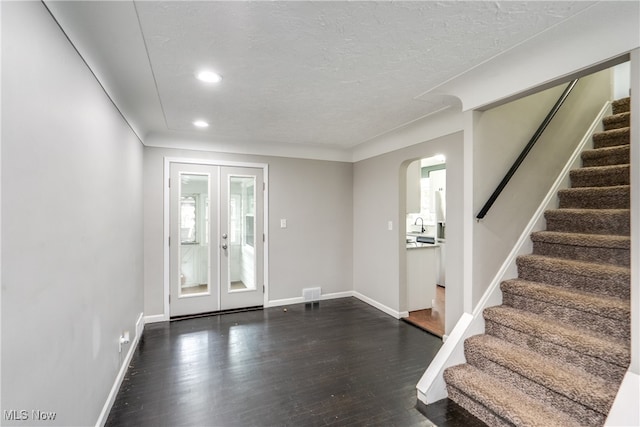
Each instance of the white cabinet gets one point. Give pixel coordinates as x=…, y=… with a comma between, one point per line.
x=422, y=275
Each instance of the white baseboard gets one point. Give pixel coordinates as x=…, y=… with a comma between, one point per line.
x=284, y=301
x=346, y=294
x=335, y=295
x=300, y=300
x=104, y=414
x=155, y=318
x=391, y=312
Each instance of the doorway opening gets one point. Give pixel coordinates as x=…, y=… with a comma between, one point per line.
x=426, y=243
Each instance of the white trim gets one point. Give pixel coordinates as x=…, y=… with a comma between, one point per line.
x=218, y=224
x=104, y=414
x=166, y=216
x=625, y=411
x=390, y=311
x=155, y=318
x=290, y=150
x=1, y=287
x=300, y=300
x=346, y=294
x=635, y=210
x=468, y=216
x=431, y=386
x=448, y=355
x=265, y=231
x=284, y=301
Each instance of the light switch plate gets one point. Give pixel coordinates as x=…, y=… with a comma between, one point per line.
x=283, y=223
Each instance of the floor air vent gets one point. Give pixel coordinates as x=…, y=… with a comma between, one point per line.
x=311, y=294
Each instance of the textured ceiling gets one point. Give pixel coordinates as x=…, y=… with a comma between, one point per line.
x=316, y=73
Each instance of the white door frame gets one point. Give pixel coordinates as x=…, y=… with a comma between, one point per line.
x=166, y=215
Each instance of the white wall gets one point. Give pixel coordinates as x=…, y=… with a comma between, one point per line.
x=314, y=196
x=379, y=198
x=72, y=225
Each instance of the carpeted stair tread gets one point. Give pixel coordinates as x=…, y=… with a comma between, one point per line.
x=592, y=221
x=617, y=155
x=510, y=405
x=616, y=197
x=612, y=138
x=605, y=349
x=617, y=121
x=600, y=176
x=621, y=105
x=594, y=304
x=603, y=279
x=564, y=386
x=583, y=239
x=602, y=314
x=598, y=248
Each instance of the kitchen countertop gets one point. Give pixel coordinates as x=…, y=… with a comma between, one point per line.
x=414, y=245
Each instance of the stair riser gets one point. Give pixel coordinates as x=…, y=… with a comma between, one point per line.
x=543, y=394
x=617, y=122
x=564, y=353
x=603, y=140
x=600, y=179
x=574, y=199
x=621, y=105
x=614, y=256
x=618, y=225
x=619, y=158
x=571, y=316
x=612, y=286
x=475, y=408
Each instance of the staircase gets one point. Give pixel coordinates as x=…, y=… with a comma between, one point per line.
x=554, y=353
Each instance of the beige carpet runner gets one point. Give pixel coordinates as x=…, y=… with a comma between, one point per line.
x=554, y=353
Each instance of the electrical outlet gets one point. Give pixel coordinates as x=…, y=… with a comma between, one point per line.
x=124, y=339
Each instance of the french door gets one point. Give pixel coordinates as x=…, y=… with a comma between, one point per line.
x=216, y=238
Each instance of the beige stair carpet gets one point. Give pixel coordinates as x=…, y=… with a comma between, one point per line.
x=554, y=353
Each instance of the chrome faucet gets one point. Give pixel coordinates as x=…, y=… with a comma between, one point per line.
x=421, y=224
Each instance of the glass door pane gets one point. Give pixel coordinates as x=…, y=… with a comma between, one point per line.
x=242, y=256
x=194, y=235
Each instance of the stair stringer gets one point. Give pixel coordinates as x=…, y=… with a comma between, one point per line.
x=431, y=386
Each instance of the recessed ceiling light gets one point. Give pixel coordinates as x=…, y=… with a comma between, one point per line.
x=201, y=124
x=209, y=77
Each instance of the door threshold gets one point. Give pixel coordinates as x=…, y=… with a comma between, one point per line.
x=216, y=313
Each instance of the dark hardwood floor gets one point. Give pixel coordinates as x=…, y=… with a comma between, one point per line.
x=339, y=362
x=447, y=413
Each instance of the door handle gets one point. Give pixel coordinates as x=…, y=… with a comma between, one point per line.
x=224, y=236
x=224, y=246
